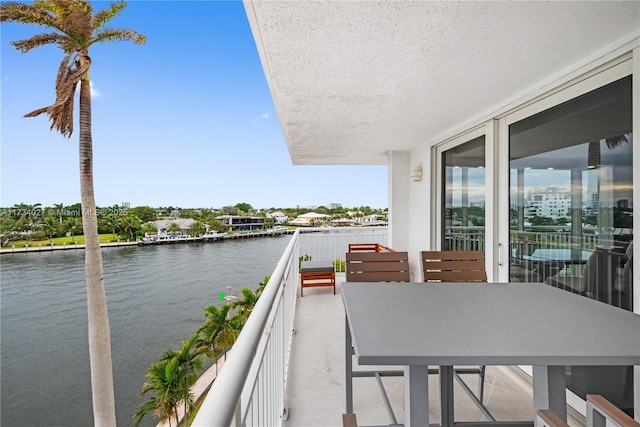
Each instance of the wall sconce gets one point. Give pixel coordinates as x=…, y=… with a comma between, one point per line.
x=416, y=174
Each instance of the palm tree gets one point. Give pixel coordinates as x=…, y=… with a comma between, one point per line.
x=114, y=222
x=161, y=380
x=149, y=227
x=173, y=228
x=171, y=378
x=71, y=226
x=131, y=224
x=246, y=304
x=219, y=331
x=49, y=225
x=189, y=364
x=74, y=28
x=197, y=228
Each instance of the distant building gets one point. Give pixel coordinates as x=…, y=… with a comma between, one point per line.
x=184, y=223
x=552, y=202
x=309, y=219
x=279, y=217
x=237, y=222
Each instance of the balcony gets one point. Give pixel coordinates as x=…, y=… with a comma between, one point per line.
x=287, y=366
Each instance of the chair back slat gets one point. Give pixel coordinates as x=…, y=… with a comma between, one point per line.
x=377, y=267
x=369, y=247
x=453, y=266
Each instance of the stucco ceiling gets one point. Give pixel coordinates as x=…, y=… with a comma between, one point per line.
x=353, y=80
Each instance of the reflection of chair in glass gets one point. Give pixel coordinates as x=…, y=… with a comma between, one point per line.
x=456, y=266
x=599, y=277
x=519, y=270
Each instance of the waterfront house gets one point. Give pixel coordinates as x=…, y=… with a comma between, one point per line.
x=279, y=217
x=471, y=106
x=241, y=223
x=184, y=223
x=309, y=219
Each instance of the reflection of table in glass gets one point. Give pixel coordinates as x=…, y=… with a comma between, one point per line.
x=447, y=324
x=547, y=262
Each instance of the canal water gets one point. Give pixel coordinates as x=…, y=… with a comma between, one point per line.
x=156, y=296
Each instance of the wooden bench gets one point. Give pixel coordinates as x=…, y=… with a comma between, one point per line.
x=317, y=273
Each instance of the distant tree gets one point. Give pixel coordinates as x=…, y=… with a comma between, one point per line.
x=49, y=225
x=230, y=210
x=145, y=213
x=216, y=225
x=244, y=207
x=113, y=222
x=149, y=227
x=131, y=224
x=72, y=226
x=197, y=229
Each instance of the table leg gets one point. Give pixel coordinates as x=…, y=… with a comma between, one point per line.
x=348, y=363
x=446, y=396
x=416, y=396
x=549, y=390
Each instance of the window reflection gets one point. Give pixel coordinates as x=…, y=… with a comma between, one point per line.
x=571, y=209
x=464, y=197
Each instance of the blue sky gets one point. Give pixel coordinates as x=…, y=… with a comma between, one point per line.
x=185, y=120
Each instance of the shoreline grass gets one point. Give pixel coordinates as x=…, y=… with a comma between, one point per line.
x=63, y=241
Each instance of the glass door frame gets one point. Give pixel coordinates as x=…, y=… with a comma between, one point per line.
x=621, y=67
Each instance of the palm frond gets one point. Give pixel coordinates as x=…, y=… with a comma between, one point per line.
x=38, y=40
x=107, y=15
x=12, y=11
x=118, y=35
x=61, y=112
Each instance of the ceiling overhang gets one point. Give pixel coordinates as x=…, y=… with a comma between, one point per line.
x=352, y=81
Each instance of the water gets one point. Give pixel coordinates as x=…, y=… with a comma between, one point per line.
x=156, y=295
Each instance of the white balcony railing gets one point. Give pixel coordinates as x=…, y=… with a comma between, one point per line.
x=250, y=388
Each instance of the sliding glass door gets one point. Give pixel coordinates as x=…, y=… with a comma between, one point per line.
x=464, y=196
x=571, y=210
x=546, y=192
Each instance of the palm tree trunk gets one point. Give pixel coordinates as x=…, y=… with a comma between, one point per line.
x=104, y=411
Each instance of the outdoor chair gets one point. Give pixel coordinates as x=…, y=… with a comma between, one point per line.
x=456, y=266
x=368, y=247
x=377, y=267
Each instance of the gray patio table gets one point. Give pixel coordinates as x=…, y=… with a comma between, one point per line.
x=447, y=324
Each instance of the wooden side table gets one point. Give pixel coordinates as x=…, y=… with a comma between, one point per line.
x=317, y=273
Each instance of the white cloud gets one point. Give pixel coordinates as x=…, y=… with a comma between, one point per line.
x=263, y=116
x=95, y=93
